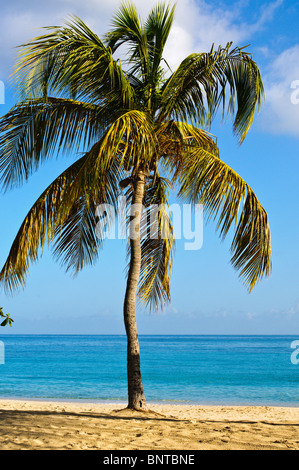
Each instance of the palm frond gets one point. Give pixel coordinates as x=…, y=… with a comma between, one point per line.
x=158, y=26
x=131, y=135
x=225, y=196
x=176, y=138
x=145, y=42
x=63, y=214
x=38, y=226
x=202, y=82
x=127, y=29
x=76, y=242
x=34, y=130
x=69, y=61
x=78, y=237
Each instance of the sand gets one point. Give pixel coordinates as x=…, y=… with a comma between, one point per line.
x=40, y=425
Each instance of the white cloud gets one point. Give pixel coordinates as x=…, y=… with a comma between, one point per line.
x=289, y=313
x=280, y=115
x=293, y=310
x=197, y=24
x=266, y=15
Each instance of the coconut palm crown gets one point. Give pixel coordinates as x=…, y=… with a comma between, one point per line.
x=137, y=129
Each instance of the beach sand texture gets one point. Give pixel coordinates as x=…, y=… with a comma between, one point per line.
x=56, y=425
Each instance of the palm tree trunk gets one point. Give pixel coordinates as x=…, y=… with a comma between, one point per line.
x=136, y=398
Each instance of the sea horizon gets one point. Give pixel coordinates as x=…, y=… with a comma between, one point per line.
x=149, y=334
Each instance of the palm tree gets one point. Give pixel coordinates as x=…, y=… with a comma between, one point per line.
x=140, y=132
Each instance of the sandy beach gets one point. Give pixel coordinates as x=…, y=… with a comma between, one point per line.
x=40, y=425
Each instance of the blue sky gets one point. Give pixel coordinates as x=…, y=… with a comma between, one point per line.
x=207, y=295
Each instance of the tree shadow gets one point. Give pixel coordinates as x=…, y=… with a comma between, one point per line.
x=134, y=415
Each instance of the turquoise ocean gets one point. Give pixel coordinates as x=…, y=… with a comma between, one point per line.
x=207, y=370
